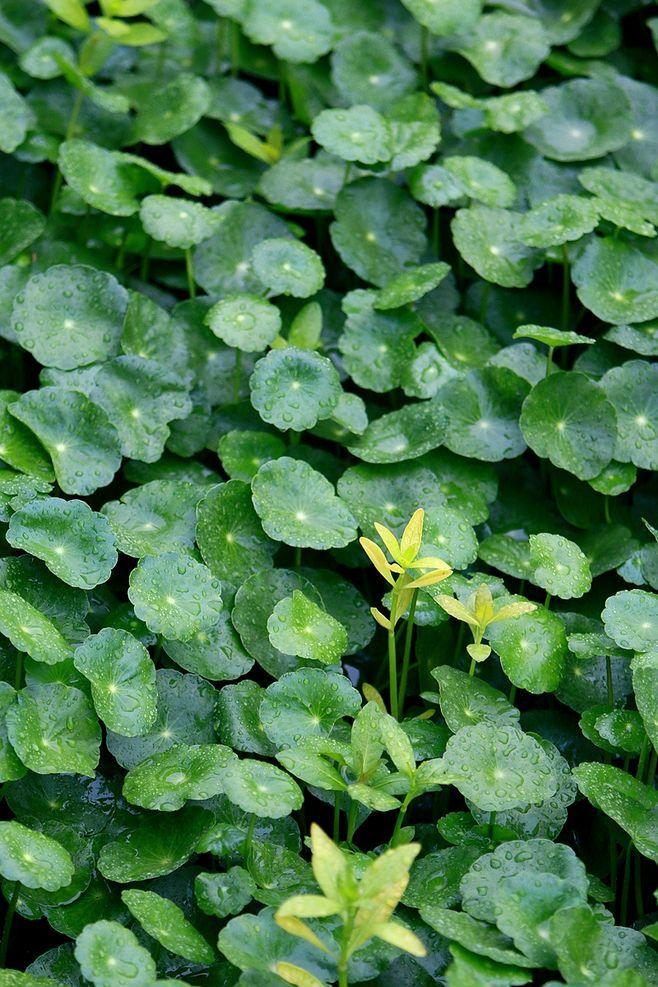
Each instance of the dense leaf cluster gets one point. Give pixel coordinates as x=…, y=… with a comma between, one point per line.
x=328, y=425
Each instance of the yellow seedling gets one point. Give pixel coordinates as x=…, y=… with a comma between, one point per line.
x=401, y=575
x=365, y=906
x=479, y=612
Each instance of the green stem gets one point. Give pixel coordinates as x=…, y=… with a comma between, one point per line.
x=644, y=753
x=547, y=601
x=345, y=952
x=512, y=694
x=623, y=909
x=407, y=650
x=6, y=929
x=348, y=171
x=144, y=265
x=651, y=769
x=471, y=670
x=613, y=863
x=18, y=677
x=392, y=675
x=492, y=823
x=566, y=284
x=400, y=819
x=606, y=509
x=191, y=286
x=338, y=798
x=249, y=837
x=436, y=233
x=298, y=557
x=637, y=887
x=609, y=682
x=549, y=361
x=70, y=130
x=351, y=820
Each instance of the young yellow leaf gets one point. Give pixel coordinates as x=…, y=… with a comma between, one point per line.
x=478, y=652
x=297, y=976
x=251, y=144
x=331, y=867
x=371, y=694
x=412, y=535
x=398, y=935
x=389, y=540
x=456, y=609
x=378, y=559
x=429, y=579
x=295, y=927
x=482, y=605
x=432, y=562
x=381, y=887
x=398, y=745
x=513, y=610
x=72, y=12
x=307, y=906
x=380, y=618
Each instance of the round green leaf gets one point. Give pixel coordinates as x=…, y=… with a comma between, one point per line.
x=298, y=506
x=299, y=627
x=237, y=718
x=559, y=566
x=70, y=316
x=245, y=321
x=229, y=533
x=293, y=388
x=243, y=452
x=21, y=224
x=481, y=180
x=488, y=875
x=79, y=437
x=254, y=603
x=30, y=631
x=169, y=110
x=435, y=185
x=306, y=703
x=297, y=30
x=411, y=285
x=177, y=222
x=344, y=602
x=288, y=267
x=154, y=517
x=165, y=781
x=379, y=229
x=498, y=766
x=110, y=956
x=477, y=937
x=75, y=542
x=585, y=118
x=19, y=447
x=558, y=220
x=376, y=346
x=504, y=48
x=261, y=788
x=616, y=280
x=367, y=68
x=632, y=389
x=154, y=846
x=32, y=858
x=466, y=700
x=185, y=706
x=53, y=728
x=400, y=435
x=631, y=804
x=532, y=649
x=483, y=410
x=174, y=595
x=166, y=923
x=359, y=133
x=488, y=240
x=224, y=894
x=551, y=337
x=122, y=678
x=310, y=185
x=568, y=419
x=216, y=654
x=631, y=619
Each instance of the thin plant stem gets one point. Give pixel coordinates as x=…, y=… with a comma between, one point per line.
x=146, y=259
x=344, y=952
x=609, y=681
x=651, y=768
x=400, y=819
x=637, y=886
x=436, y=233
x=566, y=285
x=606, y=509
x=626, y=881
x=18, y=673
x=549, y=361
x=351, y=820
x=547, y=601
x=613, y=863
x=492, y=823
x=512, y=694
x=407, y=650
x=337, y=806
x=348, y=172
x=9, y=920
x=250, y=835
x=191, y=286
x=70, y=131
x=392, y=675
x=298, y=557
x=471, y=670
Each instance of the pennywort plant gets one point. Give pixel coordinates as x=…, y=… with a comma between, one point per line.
x=328, y=452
